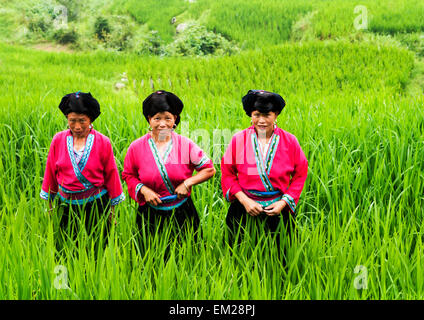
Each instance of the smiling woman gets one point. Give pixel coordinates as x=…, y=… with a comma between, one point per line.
x=161, y=180
x=81, y=168
x=264, y=168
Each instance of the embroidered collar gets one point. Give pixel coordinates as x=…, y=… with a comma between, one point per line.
x=79, y=166
x=160, y=163
x=264, y=166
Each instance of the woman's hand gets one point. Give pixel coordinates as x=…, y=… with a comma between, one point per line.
x=252, y=207
x=183, y=190
x=150, y=196
x=275, y=208
x=112, y=215
x=50, y=209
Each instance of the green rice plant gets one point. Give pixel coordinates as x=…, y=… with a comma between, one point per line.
x=347, y=103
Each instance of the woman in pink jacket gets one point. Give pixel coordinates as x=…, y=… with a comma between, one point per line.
x=81, y=169
x=159, y=166
x=264, y=169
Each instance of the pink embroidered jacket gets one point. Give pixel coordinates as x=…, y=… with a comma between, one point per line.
x=281, y=175
x=143, y=165
x=76, y=182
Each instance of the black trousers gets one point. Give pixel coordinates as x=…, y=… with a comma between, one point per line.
x=166, y=227
x=185, y=218
x=92, y=216
x=238, y=221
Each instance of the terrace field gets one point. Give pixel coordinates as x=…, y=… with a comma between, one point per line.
x=354, y=101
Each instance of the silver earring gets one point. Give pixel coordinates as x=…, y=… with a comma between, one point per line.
x=174, y=126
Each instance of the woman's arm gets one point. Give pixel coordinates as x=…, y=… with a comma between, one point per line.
x=111, y=178
x=50, y=186
x=229, y=173
x=130, y=175
x=252, y=207
x=184, y=188
x=202, y=164
x=149, y=195
x=201, y=176
x=299, y=175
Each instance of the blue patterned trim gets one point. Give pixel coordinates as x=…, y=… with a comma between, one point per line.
x=168, y=199
x=82, y=201
x=87, y=150
x=201, y=162
x=290, y=202
x=137, y=189
x=272, y=150
x=267, y=203
x=118, y=199
x=264, y=194
x=260, y=165
x=227, y=195
x=161, y=167
x=168, y=208
x=167, y=152
x=73, y=192
x=77, y=171
x=46, y=196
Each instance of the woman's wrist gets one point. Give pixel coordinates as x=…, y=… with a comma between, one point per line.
x=241, y=197
x=187, y=185
x=283, y=202
x=143, y=188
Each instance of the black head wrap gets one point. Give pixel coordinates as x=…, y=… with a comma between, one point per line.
x=262, y=101
x=82, y=103
x=161, y=101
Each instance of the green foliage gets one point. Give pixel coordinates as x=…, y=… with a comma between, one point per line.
x=39, y=16
x=120, y=38
x=7, y=23
x=196, y=40
x=398, y=16
x=151, y=44
x=246, y=24
x=254, y=24
x=40, y=24
x=413, y=41
x=113, y=32
x=156, y=14
x=74, y=8
x=101, y=28
x=303, y=29
x=65, y=35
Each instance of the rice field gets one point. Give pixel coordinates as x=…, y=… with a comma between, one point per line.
x=255, y=23
x=360, y=219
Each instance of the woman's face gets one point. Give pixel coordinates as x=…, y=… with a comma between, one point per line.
x=80, y=124
x=264, y=122
x=162, y=123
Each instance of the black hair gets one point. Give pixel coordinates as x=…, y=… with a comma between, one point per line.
x=162, y=101
x=262, y=101
x=81, y=103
